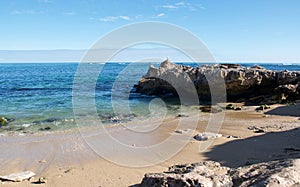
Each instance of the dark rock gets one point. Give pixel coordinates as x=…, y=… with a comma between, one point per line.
x=259, y=131
x=182, y=115
x=291, y=149
x=212, y=109
x=238, y=108
x=229, y=107
x=262, y=107
x=230, y=136
x=42, y=180
x=45, y=129
x=256, y=129
x=50, y=120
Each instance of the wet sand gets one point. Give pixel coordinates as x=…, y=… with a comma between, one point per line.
x=66, y=159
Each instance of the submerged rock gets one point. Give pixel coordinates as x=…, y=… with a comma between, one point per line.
x=3, y=121
x=18, y=177
x=118, y=118
x=240, y=82
x=212, y=109
x=45, y=128
x=182, y=115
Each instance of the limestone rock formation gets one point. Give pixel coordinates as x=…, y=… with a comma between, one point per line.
x=204, y=174
x=283, y=173
x=240, y=82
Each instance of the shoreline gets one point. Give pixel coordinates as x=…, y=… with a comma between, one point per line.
x=64, y=158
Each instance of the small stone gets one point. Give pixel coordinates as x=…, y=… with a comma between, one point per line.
x=67, y=171
x=259, y=131
x=256, y=129
x=42, y=161
x=207, y=136
x=45, y=129
x=238, y=108
x=182, y=115
x=3, y=121
x=179, y=131
x=262, y=107
x=229, y=107
x=211, y=109
x=230, y=136
x=42, y=180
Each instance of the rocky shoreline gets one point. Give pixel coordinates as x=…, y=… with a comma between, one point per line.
x=252, y=85
x=209, y=173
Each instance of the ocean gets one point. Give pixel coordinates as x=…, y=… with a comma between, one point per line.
x=37, y=97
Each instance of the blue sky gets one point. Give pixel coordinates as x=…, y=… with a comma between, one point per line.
x=234, y=30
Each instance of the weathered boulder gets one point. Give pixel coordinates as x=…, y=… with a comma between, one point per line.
x=240, y=82
x=204, y=174
x=283, y=173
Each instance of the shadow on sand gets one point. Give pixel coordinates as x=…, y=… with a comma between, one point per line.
x=261, y=148
x=288, y=110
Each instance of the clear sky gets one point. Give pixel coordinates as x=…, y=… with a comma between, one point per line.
x=234, y=30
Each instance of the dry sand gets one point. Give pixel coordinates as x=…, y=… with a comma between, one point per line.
x=65, y=159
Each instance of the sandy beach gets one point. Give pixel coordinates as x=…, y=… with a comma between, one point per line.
x=65, y=158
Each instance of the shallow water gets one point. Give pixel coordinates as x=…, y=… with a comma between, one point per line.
x=38, y=97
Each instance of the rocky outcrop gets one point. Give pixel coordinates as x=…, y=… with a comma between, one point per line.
x=198, y=174
x=284, y=173
x=254, y=83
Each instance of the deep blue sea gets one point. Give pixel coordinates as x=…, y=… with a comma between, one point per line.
x=38, y=96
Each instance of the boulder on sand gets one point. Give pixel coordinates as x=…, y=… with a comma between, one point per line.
x=204, y=174
x=283, y=173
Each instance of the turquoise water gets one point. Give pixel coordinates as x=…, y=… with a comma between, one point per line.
x=38, y=97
